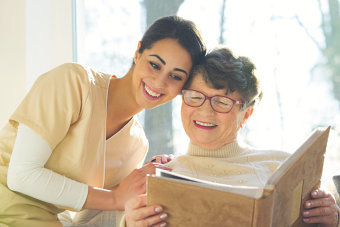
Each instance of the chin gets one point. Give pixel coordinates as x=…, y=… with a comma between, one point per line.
x=204, y=144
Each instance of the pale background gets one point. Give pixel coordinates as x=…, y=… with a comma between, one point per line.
x=37, y=35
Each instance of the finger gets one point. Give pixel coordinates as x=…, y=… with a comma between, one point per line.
x=164, y=167
x=323, y=202
x=137, y=211
x=151, y=169
x=148, y=168
x=321, y=219
x=162, y=224
x=320, y=211
x=319, y=193
x=164, y=159
x=155, y=220
x=171, y=157
x=146, y=213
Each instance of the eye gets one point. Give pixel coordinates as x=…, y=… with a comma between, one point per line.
x=175, y=77
x=223, y=103
x=154, y=65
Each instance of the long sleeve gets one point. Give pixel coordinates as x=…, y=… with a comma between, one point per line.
x=27, y=175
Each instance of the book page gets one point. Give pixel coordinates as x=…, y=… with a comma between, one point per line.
x=293, y=158
x=249, y=191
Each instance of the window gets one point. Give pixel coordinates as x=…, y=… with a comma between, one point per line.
x=283, y=38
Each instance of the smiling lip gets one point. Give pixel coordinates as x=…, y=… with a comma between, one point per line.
x=206, y=126
x=147, y=95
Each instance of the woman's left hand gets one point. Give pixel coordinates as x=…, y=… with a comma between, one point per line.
x=321, y=209
x=137, y=214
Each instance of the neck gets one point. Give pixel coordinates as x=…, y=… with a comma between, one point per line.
x=228, y=150
x=121, y=103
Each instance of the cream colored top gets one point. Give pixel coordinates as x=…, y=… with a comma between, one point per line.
x=231, y=164
x=67, y=108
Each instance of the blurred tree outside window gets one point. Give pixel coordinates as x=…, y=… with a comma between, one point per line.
x=294, y=44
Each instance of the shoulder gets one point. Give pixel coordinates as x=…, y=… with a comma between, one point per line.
x=77, y=74
x=67, y=69
x=267, y=154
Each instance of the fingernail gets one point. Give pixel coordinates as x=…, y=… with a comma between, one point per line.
x=306, y=213
x=163, y=216
x=163, y=224
x=315, y=193
x=158, y=209
x=308, y=204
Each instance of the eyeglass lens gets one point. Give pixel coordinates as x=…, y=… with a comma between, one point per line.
x=218, y=103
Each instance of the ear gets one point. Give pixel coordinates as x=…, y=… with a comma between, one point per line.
x=247, y=114
x=137, y=54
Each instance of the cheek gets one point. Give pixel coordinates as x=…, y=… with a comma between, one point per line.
x=141, y=69
x=230, y=123
x=185, y=115
x=174, y=88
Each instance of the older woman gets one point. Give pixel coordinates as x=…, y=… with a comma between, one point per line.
x=217, y=101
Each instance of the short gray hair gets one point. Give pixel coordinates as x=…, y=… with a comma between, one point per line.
x=221, y=69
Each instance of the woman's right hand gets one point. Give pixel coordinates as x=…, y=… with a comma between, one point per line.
x=134, y=184
x=137, y=214
x=162, y=159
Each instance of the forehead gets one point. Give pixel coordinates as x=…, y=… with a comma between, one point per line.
x=167, y=46
x=198, y=83
x=171, y=52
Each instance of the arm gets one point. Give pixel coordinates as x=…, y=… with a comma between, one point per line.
x=27, y=175
x=134, y=184
x=321, y=209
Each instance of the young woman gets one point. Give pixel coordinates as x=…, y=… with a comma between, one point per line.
x=74, y=142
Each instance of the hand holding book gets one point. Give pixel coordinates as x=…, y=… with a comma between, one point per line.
x=321, y=208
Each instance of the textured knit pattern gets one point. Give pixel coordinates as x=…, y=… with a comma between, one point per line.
x=230, y=164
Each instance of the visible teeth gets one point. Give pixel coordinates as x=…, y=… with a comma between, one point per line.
x=205, y=124
x=151, y=93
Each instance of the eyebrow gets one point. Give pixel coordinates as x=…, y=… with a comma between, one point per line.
x=181, y=70
x=159, y=58
x=164, y=63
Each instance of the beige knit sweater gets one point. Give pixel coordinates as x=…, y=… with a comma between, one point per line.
x=231, y=164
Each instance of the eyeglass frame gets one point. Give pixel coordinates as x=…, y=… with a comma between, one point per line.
x=209, y=98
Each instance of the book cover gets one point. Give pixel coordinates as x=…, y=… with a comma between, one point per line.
x=193, y=202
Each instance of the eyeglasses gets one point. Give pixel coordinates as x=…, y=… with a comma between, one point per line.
x=218, y=103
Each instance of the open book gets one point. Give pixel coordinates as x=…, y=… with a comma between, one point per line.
x=194, y=202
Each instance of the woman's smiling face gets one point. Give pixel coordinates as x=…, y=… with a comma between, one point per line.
x=160, y=73
x=207, y=128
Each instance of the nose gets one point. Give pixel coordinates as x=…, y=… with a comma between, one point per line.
x=206, y=106
x=160, y=81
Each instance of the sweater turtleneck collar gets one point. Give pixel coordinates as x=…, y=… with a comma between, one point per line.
x=228, y=150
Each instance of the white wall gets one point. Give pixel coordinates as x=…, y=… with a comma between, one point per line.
x=12, y=55
x=35, y=36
